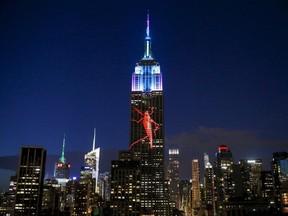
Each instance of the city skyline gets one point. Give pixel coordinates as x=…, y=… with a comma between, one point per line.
x=225, y=75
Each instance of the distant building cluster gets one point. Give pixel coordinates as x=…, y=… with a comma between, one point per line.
x=138, y=183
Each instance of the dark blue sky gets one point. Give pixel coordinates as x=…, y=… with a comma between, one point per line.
x=66, y=68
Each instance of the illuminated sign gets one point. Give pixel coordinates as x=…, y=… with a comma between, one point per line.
x=222, y=148
x=149, y=125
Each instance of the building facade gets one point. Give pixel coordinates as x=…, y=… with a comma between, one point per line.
x=251, y=175
x=196, y=195
x=185, y=196
x=125, y=185
x=30, y=177
x=280, y=180
x=209, y=187
x=91, y=159
x=224, y=179
x=173, y=176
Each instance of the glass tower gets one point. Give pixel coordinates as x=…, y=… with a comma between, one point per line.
x=147, y=129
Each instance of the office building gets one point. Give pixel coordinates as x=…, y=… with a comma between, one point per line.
x=185, y=196
x=209, y=187
x=223, y=172
x=196, y=195
x=92, y=160
x=280, y=177
x=251, y=175
x=267, y=187
x=173, y=176
x=104, y=186
x=125, y=185
x=30, y=177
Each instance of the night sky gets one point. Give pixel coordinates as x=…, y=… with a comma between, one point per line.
x=66, y=67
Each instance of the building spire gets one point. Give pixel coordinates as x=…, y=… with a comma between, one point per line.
x=62, y=158
x=147, y=28
x=94, y=140
x=148, y=52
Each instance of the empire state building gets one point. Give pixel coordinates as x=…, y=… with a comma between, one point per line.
x=147, y=130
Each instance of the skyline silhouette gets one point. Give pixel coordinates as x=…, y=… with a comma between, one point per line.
x=66, y=68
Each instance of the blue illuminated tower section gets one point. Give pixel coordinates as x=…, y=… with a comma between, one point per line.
x=146, y=130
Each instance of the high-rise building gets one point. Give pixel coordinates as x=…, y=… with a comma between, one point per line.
x=251, y=175
x=209, y=187
x=125, y=185
x=147, y=130
x=196, y=195
x=185, y=196
x=80, y=193
x=52, y=200
x=104, y=186
x=7, y=199
x=224, y=181
x=62, y=168
x=92, y=160
x=280, y=177
x=267, y=187
x=30, y=177
x=173, y=176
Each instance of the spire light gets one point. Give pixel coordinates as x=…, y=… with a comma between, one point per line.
x=62, y=158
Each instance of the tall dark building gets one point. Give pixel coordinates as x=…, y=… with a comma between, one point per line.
x=30, y=177
x=209, y=187
x=251, y=175
x=224, y=181
x=147, y=129
x=185, y=187
x=173, y=177
x=280, y=178
x=125, y=185
x=267, y=186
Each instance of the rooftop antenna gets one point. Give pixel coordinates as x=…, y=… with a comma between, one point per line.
x=148, y=52
x=148, y=25
x=62, y=158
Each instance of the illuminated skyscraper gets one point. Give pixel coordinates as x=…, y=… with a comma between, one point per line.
x=196, y=198
x=224, y=181
x=92, y=160
x=30, y=177
x=61, y=170
x=209, y=188
x=251, y=175
x=173, y=176
x=147, y=129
